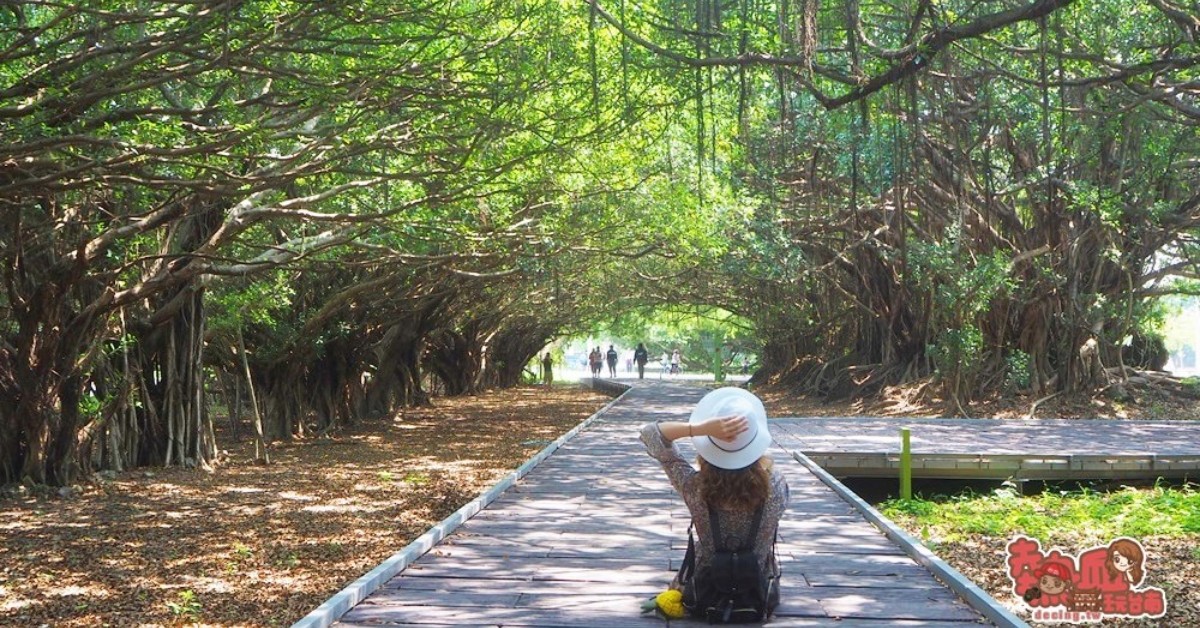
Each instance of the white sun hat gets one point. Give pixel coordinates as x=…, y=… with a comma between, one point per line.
x=750, y=445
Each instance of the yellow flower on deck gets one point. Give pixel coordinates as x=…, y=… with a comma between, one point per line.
x=670, y=602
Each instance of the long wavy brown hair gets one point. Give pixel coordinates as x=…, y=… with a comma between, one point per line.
x=1129, y=550
x=740, y=489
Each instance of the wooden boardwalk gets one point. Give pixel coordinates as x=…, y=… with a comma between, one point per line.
x=595, y=529
x=998, y=449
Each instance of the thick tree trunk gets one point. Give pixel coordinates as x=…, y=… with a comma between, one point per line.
x=397, y=380
x=40, y=387
x=512, y=348
x=457, y=359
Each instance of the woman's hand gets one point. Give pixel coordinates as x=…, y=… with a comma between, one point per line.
x=724, y=428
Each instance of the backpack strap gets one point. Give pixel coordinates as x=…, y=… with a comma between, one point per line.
x=689, y=558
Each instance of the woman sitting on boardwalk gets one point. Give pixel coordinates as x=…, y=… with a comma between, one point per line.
x=736, y=482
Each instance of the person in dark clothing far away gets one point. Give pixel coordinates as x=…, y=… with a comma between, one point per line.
x=641, y=357
x=612, y=356
x=547, y=370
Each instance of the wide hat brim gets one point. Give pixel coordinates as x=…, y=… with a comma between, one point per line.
x=749, y=446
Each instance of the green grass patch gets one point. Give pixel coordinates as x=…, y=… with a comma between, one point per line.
x=1133, y=512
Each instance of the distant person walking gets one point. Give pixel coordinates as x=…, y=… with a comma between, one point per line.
x=641, y=357
x=612, y=361
x=547, y=370
x=665, y=361
x=675, y=362
x=596, y=360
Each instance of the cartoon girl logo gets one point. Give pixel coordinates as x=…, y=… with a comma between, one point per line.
x=1104, y=581
x=1124, y=561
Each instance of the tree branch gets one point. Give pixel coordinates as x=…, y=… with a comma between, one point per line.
x=918, y=56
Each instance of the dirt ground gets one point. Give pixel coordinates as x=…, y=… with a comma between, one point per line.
x=250, y=545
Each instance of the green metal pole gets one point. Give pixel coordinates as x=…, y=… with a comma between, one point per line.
x=905, y=465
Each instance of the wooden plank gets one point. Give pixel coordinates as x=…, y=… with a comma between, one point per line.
x=849, y=581
x=797, y=546
x=640, y=590
x=480, y=549
x=797, y=549
x=980, y=448
x=628, y=571
x=474, y=616
x=824, y=528
x=457, y=597
x=654, y=555
x=517, y=525
x=839, y=622
x=854, y=564
x=937, y=604
x=582, y=516
x=410, y=604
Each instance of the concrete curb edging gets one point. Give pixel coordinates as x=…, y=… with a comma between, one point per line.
x=342, y=601
x=975, y=597
x=603, y=385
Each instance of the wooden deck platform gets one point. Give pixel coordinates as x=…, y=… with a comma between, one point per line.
x=595, y=528
x=1044, y=449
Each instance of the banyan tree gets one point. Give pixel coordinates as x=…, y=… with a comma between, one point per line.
x=311, y=212
x=992, y=194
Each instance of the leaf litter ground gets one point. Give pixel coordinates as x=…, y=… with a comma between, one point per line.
x=258, y=545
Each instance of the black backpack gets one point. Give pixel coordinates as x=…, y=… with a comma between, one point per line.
x=733, y=589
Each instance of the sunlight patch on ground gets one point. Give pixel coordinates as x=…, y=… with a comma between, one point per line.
x=208, y=585
x=243, y=489
x=15, y=604
x=293, y=496
x=78, y=590
x=322, y=508
x=287, y=582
